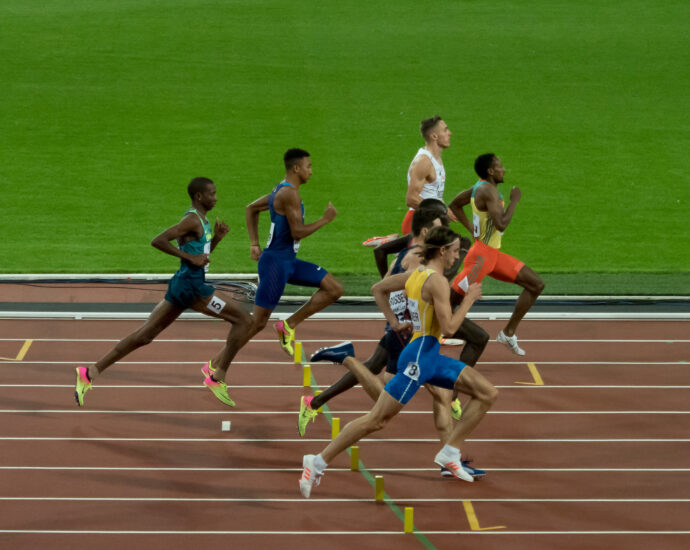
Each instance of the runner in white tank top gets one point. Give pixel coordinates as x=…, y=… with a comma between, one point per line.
x=426, y=177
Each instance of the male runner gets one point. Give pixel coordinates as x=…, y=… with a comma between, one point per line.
x=489, y=221
x=420, y=362
x=392, y=343
x=186, y=289
x=426, y=177
x=278, y=263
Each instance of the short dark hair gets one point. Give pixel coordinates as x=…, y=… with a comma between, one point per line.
x=424, y=217
x=437, y=238
x=434, y=204
x=293, y=156
x=482, y=164
x=197, y=185
x=429, y=124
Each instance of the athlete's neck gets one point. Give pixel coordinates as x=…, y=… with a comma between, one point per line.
x=293, y=180
x=434, y=149
x=199, y=208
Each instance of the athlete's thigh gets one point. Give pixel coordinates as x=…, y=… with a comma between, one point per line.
x=223, y=307
x=385, y=408
x=161, y=318
x=274, y=273
x=307, y=274
x=474, y=383
x=477, y=266
x=506, y=268
x=441, y=395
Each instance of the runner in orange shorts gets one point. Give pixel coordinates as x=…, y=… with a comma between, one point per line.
x=489, y=220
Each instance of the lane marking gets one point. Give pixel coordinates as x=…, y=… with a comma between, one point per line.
x=472, y=518
x=363, y=340
x=536, y=377
x=288, y=387
x=321, y=533
x=641, y=470
x=317, y=500
x=328, y=366
x=425, y=413
x=372, y=440
x=22, y=352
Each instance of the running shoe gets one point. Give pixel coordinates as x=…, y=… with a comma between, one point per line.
x=451, y=341
x=376, y=241
x=83, y=385
x=456, y=409
x=310, y=477
x=510, y=342
x=306, y=413
x=207, y=370
x=286, y=336
x=336, y=354
x=220, y=390
x=474, y=472
x=453, y=464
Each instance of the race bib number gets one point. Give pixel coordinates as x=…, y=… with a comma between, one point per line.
x=398, y=303
x=215, y=304
x=412, y=371
x=207, y=250
x=475, y=225
x=413, y=308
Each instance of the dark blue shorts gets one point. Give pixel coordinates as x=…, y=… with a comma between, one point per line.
x=393, y=342
x=421, y=362
x=277, y=270
x=186, y=288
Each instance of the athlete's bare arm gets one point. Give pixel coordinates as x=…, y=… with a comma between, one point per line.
x=287, y=202
x=421, y=172
x=457, y=206
x=187, y=229
x=220, y=229
x=382, y=251
x=437, y=292
x=252, y=217
x=382, y=291
x=486, y=198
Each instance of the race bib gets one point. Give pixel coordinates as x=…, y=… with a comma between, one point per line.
x=398, y=303
x=412, y=371
x=215, y=304
x=270, y=234
x=413, y=308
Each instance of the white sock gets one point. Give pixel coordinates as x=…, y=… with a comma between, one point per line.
x=451, y=451
x=319, y=463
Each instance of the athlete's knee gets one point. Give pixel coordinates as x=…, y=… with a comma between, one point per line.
x=334, y=288
x=488, y=394
x=258, y=323
x=142, y=338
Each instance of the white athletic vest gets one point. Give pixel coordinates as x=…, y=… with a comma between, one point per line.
x=433, y=190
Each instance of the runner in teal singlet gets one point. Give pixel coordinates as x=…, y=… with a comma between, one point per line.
x=186, y=289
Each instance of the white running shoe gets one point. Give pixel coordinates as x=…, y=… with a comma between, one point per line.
x=453, y=464
x=510, y=342
x=310, y=476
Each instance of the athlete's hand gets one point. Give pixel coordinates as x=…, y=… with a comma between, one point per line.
x=220, y=229
x=515, y=194
x=199, y=260
x=474, y=292
x=402, y=328
x=451, y=216
x=255, y=252
x=330, y=212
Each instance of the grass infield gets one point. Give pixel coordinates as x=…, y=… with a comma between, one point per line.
x=110, y=108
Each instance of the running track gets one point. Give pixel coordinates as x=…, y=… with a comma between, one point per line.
x=596, y=457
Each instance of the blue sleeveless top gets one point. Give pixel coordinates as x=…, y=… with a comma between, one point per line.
x=280, y=239
x=202, y=245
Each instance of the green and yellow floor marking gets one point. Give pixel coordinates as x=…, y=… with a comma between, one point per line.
x=536, y=377
x=472, y=518
x=22, y=352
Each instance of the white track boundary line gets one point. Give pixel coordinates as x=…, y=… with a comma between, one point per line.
x=372, y=440
x=642, y=470
x=317, y=500
x=330, y=366
x=333, y=411
x=295, y=386
x=332, y=533
x=325, y=340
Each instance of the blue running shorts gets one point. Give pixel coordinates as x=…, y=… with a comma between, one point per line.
x=277, y=270
x=421, y=362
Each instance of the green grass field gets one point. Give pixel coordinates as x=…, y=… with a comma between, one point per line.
x=110, y=108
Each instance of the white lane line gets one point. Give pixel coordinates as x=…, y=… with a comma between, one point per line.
x=363, y=340
x=316, y=500
x=322, y=533
x=292, y=412
x=329, y=365
x=641, y=470
x=300, y=386
x=372, y=440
